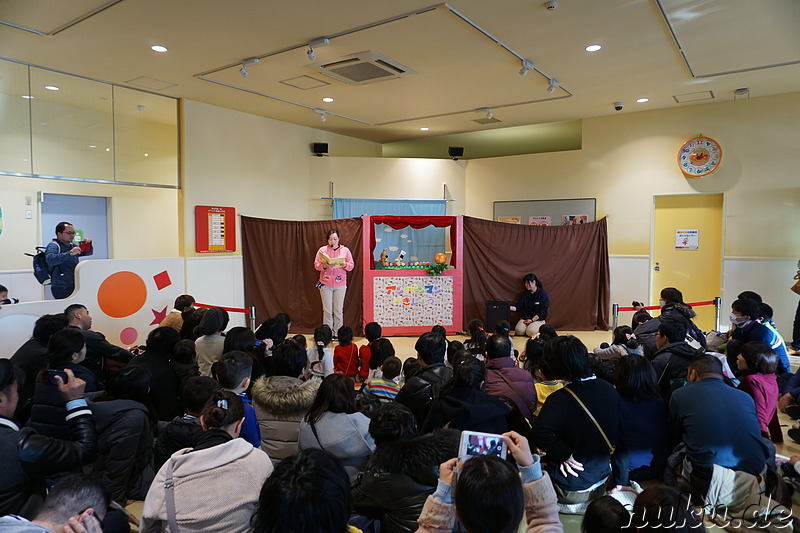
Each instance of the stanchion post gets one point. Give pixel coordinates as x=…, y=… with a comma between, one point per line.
x=717, y=306
x=253, y=317
x=615, y=313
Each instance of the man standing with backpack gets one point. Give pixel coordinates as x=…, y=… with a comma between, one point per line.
x=62, y=258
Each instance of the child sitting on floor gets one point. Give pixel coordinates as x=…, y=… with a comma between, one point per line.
x=345, y=356
x=233, y=374
x=373, y=332
x=386, y=387
x=623, y=343
x=758, y=362
x=320, y=357
x=476, y=343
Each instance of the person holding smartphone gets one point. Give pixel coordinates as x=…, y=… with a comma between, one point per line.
x=62, y=258
x=492, y=495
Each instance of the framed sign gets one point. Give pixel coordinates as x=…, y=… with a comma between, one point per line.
x=215, y=229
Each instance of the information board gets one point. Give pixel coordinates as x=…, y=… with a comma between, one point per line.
x=215, y=229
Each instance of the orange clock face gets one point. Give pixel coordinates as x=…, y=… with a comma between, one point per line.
x=699, y=157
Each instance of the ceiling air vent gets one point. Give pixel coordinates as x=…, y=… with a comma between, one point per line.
x=361, y=68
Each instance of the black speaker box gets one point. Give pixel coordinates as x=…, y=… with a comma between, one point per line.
x=495, y=312
x=320, y=148
x=455, y=151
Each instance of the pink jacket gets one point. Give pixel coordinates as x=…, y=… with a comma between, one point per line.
x=334, y=277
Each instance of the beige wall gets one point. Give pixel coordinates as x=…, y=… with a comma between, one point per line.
x=142, y=220
x=628, y=158
x=258, y=165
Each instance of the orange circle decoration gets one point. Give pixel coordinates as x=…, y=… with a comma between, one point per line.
x=121, y=294
x=440, y=258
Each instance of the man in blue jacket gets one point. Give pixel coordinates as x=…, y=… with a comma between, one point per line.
x=62, y=258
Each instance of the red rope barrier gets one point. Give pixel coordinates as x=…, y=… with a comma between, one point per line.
x=653, y=307
x=231, y=309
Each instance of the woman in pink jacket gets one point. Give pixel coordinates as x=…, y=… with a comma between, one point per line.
x=333, y=261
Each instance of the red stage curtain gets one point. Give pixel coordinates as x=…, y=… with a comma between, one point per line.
x=416, y=222
x=571, y=261
x=279, y=275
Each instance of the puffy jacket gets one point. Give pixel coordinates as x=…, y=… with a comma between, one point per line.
x=164, y=390
x=280, y=403
x=646, y=333
x=49, y=408
x=423, y=387
x=671, y=363
x=399, y=477
x=28, y=457
x=125, y=449
x=183, y=432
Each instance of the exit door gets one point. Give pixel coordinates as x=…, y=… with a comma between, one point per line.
x=687, y=250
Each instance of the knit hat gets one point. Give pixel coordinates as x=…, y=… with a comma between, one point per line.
x=215, y=319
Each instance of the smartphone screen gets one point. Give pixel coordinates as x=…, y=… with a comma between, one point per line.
x=474, y=443
x=52, y=376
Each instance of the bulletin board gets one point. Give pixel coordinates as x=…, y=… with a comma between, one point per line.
x=526, y=211
x=215, y=229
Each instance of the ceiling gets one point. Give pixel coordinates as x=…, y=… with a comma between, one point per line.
x=464, y=57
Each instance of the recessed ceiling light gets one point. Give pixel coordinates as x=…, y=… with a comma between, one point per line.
x=92, y=146
x=51, y=87
x=593, y=48
x=27, y=97
x=424, y=129
x=146, y=154
x=158, y=48
x=108, y=149
x=642, y=100
x=327, y=99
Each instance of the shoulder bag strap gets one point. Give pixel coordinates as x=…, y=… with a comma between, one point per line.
x=611, y=447
x=169, y=486
x=314, y=429
x=531, y=406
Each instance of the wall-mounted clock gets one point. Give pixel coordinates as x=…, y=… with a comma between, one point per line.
x=699, y=156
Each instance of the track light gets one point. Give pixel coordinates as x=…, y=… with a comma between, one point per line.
x=323, y=118
x=553, y=86
x=322, y=41
x=321, y=112
x=489, y=114
x=527, y=66
x=246, y=63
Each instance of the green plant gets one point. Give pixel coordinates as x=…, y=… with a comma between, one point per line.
x=437, y=269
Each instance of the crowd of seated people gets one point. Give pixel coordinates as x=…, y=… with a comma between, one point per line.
x=236, y=430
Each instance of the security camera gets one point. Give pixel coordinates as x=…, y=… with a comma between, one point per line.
x=619, y=105
x=551, y=5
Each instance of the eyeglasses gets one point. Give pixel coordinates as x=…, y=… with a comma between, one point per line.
x=68, y=232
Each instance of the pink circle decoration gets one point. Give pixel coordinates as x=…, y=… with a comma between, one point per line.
x=128, y=336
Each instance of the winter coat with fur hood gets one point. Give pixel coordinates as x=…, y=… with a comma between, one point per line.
x=399, y=477
x=280, y=403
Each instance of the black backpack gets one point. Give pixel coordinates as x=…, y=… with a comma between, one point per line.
x=41, y=271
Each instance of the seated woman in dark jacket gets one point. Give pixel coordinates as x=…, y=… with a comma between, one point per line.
x=124, y=463
x=672, y=305
x=580, y=461
x=402, y=471
x=66, y=349
x=463, y=405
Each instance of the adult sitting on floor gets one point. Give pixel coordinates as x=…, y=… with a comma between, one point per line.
x=507, y=381
x=733, y=441
x=282, y=400
x=402, y=471
x=585, y=453
x=673, y=356
x=27, y=456
x=672, y=306
x=463, y=405
x=164, y=390
x=102, y=357
x=31, y=357
x=492, y=495
x=76, y=504
x=426, y=383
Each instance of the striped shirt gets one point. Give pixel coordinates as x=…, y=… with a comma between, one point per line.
x=384, y=389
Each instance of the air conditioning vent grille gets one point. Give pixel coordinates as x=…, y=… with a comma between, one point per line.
x=361, y=68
